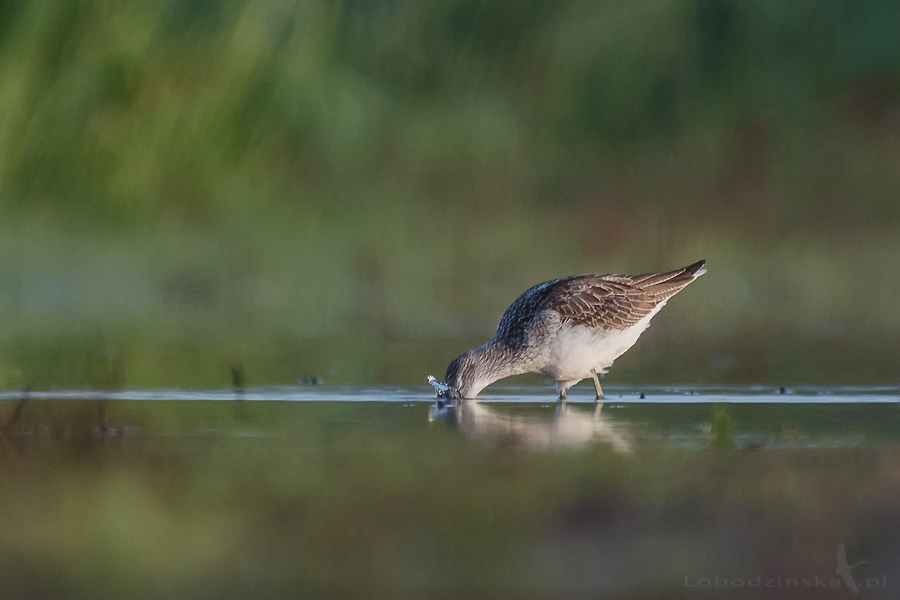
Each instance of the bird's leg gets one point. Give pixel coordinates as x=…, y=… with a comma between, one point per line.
x=562, y=390
x=597, y=384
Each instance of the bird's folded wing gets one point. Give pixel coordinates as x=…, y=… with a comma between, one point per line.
x=603, y=303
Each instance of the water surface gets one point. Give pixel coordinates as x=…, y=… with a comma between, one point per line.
x=496, y=393
x=382, y=492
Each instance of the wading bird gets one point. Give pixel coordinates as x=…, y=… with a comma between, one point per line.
x=567, y=329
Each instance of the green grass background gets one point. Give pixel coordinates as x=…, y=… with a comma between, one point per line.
x=311, y=187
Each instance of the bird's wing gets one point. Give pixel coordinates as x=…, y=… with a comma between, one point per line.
x=616, y=301
x=607, y=301
x=601, y=301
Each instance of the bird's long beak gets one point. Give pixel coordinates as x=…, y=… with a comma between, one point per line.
x=441, y=388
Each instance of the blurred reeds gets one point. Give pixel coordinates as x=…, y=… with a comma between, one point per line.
x=250, y=174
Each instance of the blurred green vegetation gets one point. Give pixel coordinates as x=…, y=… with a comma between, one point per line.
x=243, y=177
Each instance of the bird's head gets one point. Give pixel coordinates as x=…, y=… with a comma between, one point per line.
x=472, y=371
x=460, y=376
x=460, y=379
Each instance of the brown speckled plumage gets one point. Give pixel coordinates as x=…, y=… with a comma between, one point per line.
x=535, y=332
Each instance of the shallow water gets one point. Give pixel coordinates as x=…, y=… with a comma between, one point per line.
x=383, y=492
x=497, y=393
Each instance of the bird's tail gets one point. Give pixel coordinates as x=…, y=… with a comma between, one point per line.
x=666, y=285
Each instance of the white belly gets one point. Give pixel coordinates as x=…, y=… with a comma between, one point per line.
x=577, y=349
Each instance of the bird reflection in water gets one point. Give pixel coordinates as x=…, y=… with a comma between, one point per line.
x=568, y=428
